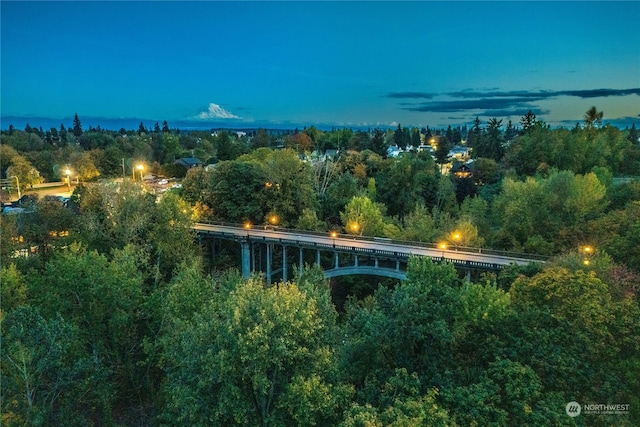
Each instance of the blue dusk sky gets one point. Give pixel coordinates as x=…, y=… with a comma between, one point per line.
x=286, y=64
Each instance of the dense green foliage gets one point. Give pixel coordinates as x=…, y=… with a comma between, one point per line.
x=115, y=319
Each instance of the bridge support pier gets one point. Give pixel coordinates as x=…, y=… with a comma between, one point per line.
x=284, y=263
x=268, y=266
x=246, y=259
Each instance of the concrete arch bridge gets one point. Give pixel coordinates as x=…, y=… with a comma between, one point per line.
x=274, y=251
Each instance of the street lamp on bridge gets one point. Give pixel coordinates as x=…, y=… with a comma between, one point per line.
x=442, y=246
x=456, y=236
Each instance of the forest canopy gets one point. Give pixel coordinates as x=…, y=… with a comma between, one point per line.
x=118, y=316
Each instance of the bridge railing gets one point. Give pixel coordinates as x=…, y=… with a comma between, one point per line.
x=469, y=249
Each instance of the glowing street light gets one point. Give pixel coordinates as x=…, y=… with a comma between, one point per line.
x=140, y=167
x=456, y=238
x=588, y=252
x=443, y=247
x=334, y=234
x=273, y=219
x=247, y=225
x=355, y=227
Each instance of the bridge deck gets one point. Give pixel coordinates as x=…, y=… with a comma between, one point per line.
x=375, y=247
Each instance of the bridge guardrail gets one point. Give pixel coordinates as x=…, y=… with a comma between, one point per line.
x=485, y=251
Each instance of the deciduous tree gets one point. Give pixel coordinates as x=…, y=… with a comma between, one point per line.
x=254, y=355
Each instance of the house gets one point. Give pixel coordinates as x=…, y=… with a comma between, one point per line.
x=425, y=147
x=460, y=153
x=188, y=162
x=330, y=154
x=461, y=170
x=393, y=151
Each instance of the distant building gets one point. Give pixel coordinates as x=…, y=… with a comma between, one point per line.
x=330, y=154
x=188, y=162
x=393, y=151
x=461, y=170
x=460, y=153
x=425, y=147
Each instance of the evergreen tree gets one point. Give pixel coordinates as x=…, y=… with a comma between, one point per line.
x=415, y=137
x=474, y=134
x=77, y=126
x=593, y=118
x=464, y=132
x=490, y=146
x=442, y=151
x=428, y=133
x=63, y=134
x=156, y=128
x=457, y=136
x=141, y=129
x=406, y=136
x=528, y=121
x=449, y=136
x=377, y=142
x=632, y=137
x=397, y=136
x=510, y=132
x=165, y=127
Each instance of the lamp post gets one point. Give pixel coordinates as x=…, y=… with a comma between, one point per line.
x=456, y=238
x=68, y=173
x=140, y=168
x=588, y=251
x=18, y=184
x=442, y=246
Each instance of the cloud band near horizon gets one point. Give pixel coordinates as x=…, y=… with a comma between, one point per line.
x=493, y=102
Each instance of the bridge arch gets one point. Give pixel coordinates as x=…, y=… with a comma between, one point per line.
x=364, y=270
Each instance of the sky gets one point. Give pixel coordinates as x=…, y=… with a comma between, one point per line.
x=292, y=64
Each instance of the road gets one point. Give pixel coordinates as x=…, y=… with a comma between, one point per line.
x=401, y=248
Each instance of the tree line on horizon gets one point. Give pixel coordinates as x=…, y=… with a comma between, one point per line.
x=98, y=152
